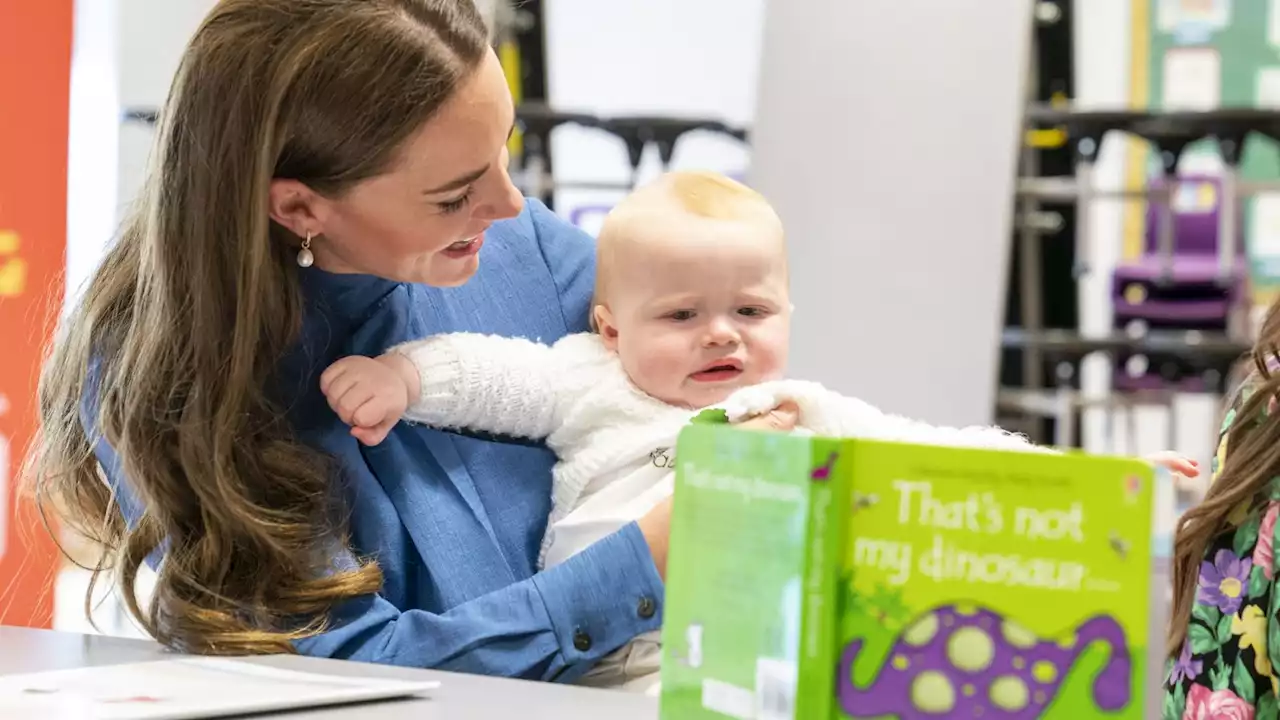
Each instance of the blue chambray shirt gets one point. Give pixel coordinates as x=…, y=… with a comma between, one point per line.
x=455, y=522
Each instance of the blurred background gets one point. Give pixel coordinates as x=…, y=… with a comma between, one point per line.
x=1062, y=216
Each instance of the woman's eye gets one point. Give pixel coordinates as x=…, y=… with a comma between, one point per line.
x=453, y=206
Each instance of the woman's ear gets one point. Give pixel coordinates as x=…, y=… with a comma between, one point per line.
x=602, y=323
x=295, y=206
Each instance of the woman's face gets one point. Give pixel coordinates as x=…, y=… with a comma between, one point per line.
x=424, y=220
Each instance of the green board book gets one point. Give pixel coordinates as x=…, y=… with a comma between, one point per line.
x=821, y=578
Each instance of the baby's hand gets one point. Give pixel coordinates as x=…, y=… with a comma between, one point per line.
x=1175, y=462
x=369, y=394
x=757, y=400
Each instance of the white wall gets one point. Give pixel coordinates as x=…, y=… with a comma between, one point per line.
x=93, y=148
x=152, y=34
x=648, y=57
x=886, y=136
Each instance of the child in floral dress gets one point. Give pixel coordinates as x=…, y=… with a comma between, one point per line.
x=1225, y=633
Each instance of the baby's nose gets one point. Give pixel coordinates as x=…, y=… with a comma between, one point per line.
x=721, y=332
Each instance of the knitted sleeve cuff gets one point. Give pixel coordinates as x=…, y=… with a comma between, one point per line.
x=441, y=377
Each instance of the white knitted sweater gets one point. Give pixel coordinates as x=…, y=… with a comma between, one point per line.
x=615, y=443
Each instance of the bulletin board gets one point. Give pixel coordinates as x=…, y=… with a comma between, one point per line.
x=1202, y=54
x=35, y=77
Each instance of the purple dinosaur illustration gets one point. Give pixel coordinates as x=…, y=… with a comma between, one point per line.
x=959, y=662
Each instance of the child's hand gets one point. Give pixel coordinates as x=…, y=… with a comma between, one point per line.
x=1175, y=462
x=369, y=394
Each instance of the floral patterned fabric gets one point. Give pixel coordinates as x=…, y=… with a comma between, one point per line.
x=1227, y=667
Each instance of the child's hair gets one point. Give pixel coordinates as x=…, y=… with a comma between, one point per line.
x=1251, y=462
x=696, y=193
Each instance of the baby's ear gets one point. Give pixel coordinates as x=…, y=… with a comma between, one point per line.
x=602, y=323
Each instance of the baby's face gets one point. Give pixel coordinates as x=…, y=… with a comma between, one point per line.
x=694, y=317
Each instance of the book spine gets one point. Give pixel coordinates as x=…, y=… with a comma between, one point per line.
x=828, y=503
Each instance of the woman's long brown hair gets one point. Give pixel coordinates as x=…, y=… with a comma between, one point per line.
x=1252, y=460
x=197, y=302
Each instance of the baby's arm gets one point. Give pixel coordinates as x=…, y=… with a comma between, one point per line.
x=831, y=414
x=508, y=386
x=503, y=385
x=828, y=413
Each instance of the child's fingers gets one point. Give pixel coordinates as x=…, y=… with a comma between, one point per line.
x=370, y=414
x=331, y=375
x=1176, y=463
x=366, y=436
x=340, y=386
x=374, y=435
x=350, y=402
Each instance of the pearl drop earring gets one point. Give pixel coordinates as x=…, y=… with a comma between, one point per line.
x=305, y=258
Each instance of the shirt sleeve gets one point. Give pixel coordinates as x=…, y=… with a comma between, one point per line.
x=1226, y=667
x=552, y=626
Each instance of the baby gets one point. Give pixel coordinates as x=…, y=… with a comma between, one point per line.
x=691, y=310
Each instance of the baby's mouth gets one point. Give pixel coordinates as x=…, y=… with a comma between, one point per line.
x=719, y=371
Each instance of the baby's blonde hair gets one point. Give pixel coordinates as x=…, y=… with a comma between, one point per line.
x=696, y=193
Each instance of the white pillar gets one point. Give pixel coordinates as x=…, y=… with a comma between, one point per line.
x=886, y=134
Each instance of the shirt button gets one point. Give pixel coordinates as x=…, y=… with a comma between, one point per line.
x=646, y=608
x=581, y=640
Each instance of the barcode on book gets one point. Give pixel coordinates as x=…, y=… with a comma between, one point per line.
x=775, y=689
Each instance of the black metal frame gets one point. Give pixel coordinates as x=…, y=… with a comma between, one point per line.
x=1052, y=49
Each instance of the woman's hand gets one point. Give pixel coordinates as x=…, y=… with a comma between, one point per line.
x=656, y=528
x=656, y=524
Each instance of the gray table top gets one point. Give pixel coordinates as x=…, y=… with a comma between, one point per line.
x=25, y=650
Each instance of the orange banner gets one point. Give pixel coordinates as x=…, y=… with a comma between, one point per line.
x=35, y=81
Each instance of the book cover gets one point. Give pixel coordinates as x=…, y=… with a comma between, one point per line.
x=748, y=586
x=981, y=584
x=813, y=578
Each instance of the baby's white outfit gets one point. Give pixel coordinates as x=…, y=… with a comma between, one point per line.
x=616, y=444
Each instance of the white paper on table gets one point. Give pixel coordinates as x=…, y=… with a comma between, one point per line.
x=1192, y=79
x=185, y=689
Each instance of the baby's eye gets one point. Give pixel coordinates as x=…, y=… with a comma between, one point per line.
x=752, y=312
x=681, y=315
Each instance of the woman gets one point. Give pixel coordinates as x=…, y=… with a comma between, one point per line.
x=1224, y=638
x=323, y=171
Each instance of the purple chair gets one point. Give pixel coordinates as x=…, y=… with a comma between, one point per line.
x=1191, y=296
